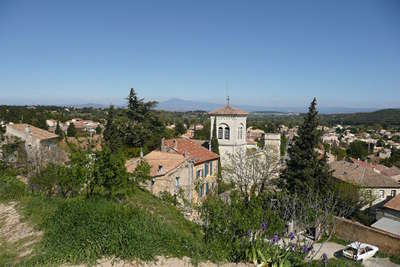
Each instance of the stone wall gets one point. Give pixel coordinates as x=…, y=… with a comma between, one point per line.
x=353, y=231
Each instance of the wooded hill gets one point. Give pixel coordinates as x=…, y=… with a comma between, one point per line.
x=384, y=116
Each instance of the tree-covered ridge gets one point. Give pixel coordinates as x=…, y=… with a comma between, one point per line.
x=384, y=116
x=387, y=118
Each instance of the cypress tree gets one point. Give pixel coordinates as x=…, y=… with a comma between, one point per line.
x=111, y=134
x=71, y=130
x=138, y=109
x=215, y=147
x=134, y=106
x=58, y=130
x=304, y=166
x=214, y=140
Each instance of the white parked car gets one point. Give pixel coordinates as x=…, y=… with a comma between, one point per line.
x=359, y=251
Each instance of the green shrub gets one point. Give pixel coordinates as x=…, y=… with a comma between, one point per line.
x=227, y=227
x=11, y=188
x=168, y=198
x=395, y=259
x=84, y=230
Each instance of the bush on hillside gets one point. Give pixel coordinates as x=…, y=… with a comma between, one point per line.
x=85, y=230
x=227, y=225
x=11, y=188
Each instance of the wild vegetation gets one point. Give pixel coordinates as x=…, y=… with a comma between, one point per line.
x=141, y=227
x=90, y=208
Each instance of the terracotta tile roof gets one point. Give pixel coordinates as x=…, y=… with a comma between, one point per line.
x=394, y=203
x=360, y=175
x=81, y=124
x=187, y=147
x=161, y=162
x=228, y=110
x=34, y=131
x=391, y=172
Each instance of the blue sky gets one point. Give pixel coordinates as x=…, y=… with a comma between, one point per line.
x=269, y=53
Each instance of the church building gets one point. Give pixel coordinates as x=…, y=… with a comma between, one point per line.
x=231, y=130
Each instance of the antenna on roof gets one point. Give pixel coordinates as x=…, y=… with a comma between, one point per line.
x=227, y=94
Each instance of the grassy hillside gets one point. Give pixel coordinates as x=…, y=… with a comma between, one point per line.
x=80, y=230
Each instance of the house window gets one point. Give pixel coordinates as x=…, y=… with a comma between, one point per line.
x=240, y=133
x=211, y=170
x=198, y=174
x=206, y=169
x=220, y=130
x=393, y=193
x=382, y=193
x=177, y=182
x=227, y=132
x=207, y=188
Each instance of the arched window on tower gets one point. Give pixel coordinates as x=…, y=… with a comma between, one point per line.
x=220, y=131
x=240, y=133
x=227, y=133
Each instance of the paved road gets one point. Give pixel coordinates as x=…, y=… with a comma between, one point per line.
x=331, y=249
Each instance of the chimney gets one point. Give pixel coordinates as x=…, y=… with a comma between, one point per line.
x=160, y=169
x=141, y=153
x=163, y=144
x=27, y=130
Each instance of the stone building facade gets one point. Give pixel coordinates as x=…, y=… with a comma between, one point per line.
x=170, y=173
x=205, y=165
x=182, y=166
x=40, y=145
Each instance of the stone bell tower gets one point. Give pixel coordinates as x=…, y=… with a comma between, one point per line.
x=231, y=130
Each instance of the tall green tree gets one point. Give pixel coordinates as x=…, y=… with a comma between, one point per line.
x=138, y=108
x=58, y=130
x=71, y=130
x=98, y=129
x=141, y=173
x=215, y=148
x=305, y=167
x=109, y=172
x=180, y=128
x=141, y=123
x=111, y=134
x=358, y=149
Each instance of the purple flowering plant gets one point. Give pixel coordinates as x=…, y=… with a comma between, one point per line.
x=285, y=250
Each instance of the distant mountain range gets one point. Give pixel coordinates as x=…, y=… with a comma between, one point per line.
x=177, y=104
